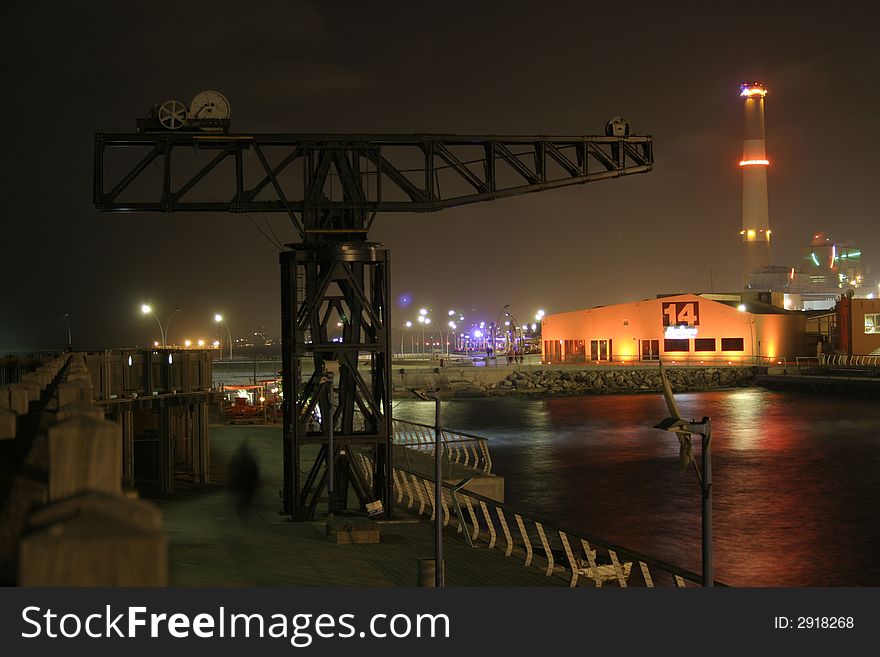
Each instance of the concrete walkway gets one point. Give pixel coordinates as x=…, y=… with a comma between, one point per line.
x=209, y=545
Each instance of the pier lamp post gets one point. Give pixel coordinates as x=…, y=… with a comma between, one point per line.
x=684, y=430
x=163, y=332
x=69, y=339
x=219, y=319
x=407, y=325
x=495, y=327
x=452, y=326
x=439, y=570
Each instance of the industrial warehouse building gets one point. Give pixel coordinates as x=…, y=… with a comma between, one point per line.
x=684, y=327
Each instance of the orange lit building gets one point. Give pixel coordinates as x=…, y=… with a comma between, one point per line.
x=685, y=328
x=858, y=324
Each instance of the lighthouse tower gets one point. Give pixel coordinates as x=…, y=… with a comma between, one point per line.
x=755, y=213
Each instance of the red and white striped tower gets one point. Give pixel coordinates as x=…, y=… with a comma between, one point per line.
x=756, y=216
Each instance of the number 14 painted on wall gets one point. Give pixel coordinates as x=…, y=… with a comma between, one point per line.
x=681, y=313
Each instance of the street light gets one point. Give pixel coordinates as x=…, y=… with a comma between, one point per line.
x=495, y=327
x=69, y=339
x=219, y=319
x=452, y=327
x=684, y=430
x=147, y=310
x=407, y=325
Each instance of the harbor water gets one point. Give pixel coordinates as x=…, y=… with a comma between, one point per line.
x=796, y=477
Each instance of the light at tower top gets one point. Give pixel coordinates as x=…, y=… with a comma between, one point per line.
x=750, y=89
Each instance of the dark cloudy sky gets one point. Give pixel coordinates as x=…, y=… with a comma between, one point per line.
x=671, y=68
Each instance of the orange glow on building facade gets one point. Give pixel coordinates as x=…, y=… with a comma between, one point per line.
x=686, y=328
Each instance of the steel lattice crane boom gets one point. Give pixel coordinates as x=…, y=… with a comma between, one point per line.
x=332, y=186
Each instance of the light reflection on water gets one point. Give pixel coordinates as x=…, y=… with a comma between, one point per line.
x=796, y=477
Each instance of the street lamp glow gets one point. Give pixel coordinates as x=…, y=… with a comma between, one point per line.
x=201, y=343
x=421, y=319
x=187, y=343
x=218, y=317
x=408, y=325
x=423, y=311
x=427, y=320
x=216, y=344
x=451, y=313
x=741, y=307
x=145, y=309
x=452, y=325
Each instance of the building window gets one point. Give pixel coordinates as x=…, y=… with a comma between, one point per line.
x=732, y=344
x=676, y=345
x=650, y=349
x=872, y=323
x=574, y=351
x=600, y=350
x=704, y=344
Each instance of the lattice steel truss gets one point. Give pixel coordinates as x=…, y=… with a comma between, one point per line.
x=335, y=281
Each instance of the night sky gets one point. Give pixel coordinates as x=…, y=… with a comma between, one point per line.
x=672, y=69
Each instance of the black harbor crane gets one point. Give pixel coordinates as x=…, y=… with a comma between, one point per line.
x=335, y=283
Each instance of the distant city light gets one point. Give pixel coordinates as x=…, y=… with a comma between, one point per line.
x=749, y=163
x=741, y=307
x=478, y=334
x=534, y=327
x=216, y=343
x=187, y=343
x=201, y=343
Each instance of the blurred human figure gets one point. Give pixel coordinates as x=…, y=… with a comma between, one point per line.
x=244, y=479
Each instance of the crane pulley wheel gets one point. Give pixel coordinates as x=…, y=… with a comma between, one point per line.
x=172, y=114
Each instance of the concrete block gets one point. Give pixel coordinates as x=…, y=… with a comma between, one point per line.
x=7, y=424
x=85, y=409
x=94, y=540
x=71, y=392
x=32, y=388
x=19, y=398
x=84, y=454
x=346, y=532
x=24, y=495
x=42, y=379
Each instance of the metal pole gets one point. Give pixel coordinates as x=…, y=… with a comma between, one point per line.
x=229, y=334
x=708, y=560
x=69, y=339
x=161, y=330
x=439, y=579
x=167, y=325
x=330, y=464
